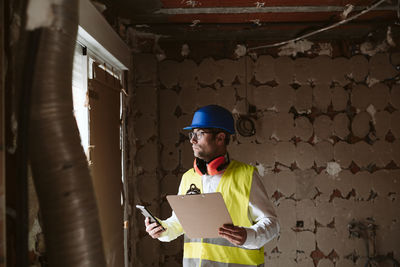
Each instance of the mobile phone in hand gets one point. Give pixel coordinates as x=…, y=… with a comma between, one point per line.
x=146, y=213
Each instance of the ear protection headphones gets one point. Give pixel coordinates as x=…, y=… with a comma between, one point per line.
x=215, y=166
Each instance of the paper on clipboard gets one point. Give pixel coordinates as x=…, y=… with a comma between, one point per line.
x=200, y=215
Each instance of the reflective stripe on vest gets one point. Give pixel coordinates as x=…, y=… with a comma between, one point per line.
x=235, y=188
x=216, y=241
x=207, y=263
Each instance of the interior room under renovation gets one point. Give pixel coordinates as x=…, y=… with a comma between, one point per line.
x=95, y=96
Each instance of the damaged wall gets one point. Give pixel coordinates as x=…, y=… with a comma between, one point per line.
x=327, y=144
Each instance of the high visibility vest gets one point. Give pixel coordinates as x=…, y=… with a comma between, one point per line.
x=235, y=186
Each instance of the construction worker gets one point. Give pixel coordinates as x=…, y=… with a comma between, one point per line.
x=253, y=215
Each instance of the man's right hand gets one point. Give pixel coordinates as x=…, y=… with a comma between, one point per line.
x=153, y=229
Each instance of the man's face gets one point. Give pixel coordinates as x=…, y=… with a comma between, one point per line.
x=204, y=144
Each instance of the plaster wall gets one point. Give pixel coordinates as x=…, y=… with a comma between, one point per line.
x=327, y=145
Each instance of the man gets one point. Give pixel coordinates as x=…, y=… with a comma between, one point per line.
x=254, y=219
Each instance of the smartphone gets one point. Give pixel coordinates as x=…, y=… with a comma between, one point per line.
x=146, y=213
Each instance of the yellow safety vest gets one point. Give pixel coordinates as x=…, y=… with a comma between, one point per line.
x=235, y=186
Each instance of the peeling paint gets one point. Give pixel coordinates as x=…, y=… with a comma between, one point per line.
x=333, y=168
x=292, y=48
x=40, y=14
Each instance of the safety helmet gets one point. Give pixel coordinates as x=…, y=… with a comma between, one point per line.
x=213, y=116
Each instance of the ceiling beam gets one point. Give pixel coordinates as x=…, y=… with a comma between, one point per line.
x=254, y=3
x=268, y=9
x=268, y=32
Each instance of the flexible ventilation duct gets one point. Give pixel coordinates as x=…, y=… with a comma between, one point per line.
x=60, y=170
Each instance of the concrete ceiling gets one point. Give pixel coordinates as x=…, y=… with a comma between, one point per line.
x=253, y=19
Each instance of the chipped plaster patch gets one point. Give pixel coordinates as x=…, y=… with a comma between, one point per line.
x=185, y=50
x=194, y=23
x=261, y=169
x=142, y=26
x=389, y=37
x=275, y=137
x=15, y=28
x=14, y=128
x=371, y=81
x=346, y=11
x=292, y=48
x=372, y=111
x=40, y=13
x=367, y=48
x=99, y=6
x=333, y=169
x=235, y=111
x=315, y=139
x=161, y=56
x=259, y=4
x=240, y=51
x=256, y=22
x=36, y=229
x=191, y=3
x=134, y=36
x=325, y=49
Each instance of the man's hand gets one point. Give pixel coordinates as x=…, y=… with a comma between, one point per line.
x=234, y=234
x=153, y=229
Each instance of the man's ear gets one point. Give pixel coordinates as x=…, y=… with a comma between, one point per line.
x=221, y=137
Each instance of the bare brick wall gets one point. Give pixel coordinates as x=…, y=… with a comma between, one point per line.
x=327, y=144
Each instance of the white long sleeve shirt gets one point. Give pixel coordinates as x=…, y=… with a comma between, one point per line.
x=261, y=212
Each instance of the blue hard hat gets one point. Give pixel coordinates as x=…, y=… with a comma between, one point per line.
x=213, y=116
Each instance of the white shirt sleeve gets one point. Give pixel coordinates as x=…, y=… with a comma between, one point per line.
x=262, y=213
x=173, y=227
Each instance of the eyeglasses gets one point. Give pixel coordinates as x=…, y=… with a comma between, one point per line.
x=197, y=135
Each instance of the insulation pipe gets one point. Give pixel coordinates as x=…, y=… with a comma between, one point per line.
x=60, y=171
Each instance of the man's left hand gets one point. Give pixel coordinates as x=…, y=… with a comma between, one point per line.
x=234, y=234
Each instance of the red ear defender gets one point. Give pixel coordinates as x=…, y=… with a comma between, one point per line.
x=214, y=167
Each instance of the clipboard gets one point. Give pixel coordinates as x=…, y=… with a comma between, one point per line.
x=200, y=215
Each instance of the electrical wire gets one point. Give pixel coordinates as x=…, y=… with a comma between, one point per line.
x=324, y=29
x=244, y=125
